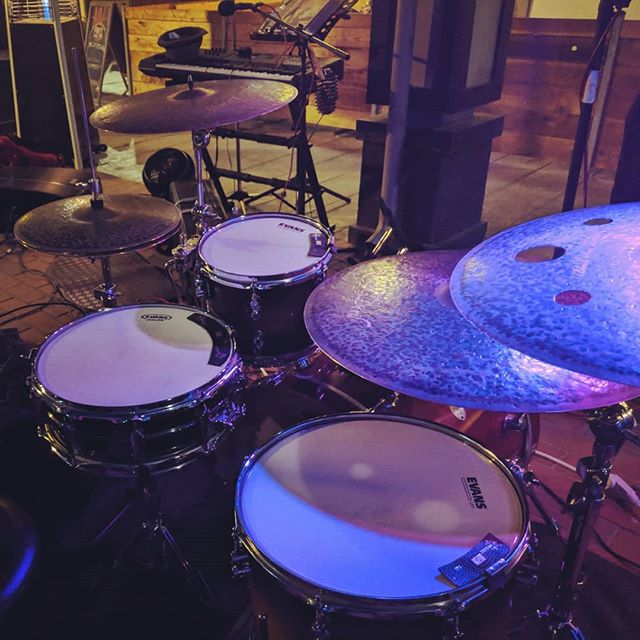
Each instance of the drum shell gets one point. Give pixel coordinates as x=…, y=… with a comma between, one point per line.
x=273, y=316
x=278, y=615
x=490, y=428
x=162, y=442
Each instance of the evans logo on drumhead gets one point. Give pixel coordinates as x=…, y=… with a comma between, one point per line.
x=474, y=493
x=290, y=226
x=156, y=317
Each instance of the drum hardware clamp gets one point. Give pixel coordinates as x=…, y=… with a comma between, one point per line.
x=520, y=422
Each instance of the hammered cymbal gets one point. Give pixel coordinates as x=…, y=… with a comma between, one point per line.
x=392, y=322
x=207, y=105
x=564, y=288
x=73, y=227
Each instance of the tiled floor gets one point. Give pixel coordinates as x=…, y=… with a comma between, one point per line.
x=519, y=189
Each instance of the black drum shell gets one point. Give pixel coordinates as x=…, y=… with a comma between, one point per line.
x=279, y=317
x=160, y=442
x=285, y=617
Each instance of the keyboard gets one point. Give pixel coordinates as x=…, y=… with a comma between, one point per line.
x=213, y=64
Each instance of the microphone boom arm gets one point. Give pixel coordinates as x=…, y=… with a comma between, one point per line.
x=302, y=33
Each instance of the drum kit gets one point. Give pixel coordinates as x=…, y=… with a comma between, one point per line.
x=366, y=522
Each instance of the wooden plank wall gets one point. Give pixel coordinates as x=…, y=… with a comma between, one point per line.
x=147, y=23
x=540, y=98
x=540, y=101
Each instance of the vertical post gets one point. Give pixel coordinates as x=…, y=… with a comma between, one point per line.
x=398, y=111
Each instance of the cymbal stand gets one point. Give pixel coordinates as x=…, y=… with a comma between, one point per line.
x=203, y=215
x=611, y=426
x=105, y=292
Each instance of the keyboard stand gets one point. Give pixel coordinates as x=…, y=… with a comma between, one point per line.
x=305, y=181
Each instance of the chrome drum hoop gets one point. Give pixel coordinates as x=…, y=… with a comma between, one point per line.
x=76, y=411
x=446, y=604
x=233, y=378
x=263, y=283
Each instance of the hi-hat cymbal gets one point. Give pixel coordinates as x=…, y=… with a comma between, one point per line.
x=564, y=288
x=73, y=227
x=209, y=104
x=392, y=321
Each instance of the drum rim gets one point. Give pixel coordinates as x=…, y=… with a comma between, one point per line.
x=451, y=600
x=269, y=281
x=139, y=412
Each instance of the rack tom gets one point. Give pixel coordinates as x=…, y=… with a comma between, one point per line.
x=259, y=271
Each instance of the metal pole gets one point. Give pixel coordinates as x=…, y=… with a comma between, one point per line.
x=606, y=12
x=78, y=161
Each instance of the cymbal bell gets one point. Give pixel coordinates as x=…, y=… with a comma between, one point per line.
x=207, y=105
x=72, y=226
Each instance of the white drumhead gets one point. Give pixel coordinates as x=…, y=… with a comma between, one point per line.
x=261, y=245
x=372, y=507
x=131, y=356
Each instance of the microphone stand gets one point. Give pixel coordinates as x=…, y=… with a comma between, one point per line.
x=303, y=164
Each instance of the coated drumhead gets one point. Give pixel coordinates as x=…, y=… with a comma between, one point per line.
x=134, y=356
x=262, y=245
x=372, y=506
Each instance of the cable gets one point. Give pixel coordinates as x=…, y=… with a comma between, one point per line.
x=36, y=306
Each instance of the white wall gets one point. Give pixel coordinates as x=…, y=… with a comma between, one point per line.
x=575, y=9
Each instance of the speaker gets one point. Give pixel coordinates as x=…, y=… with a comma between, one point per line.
x=46, y=100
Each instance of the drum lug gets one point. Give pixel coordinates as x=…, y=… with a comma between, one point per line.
x=254, y=304
x=240, y=567
x=319, y=626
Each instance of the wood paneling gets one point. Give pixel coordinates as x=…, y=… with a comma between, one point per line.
x=540, y=99
x=146, y=24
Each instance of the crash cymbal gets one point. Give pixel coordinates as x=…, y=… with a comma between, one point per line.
x=207, y=105
x=392, y=321
x=73, y=227
x=564, y=288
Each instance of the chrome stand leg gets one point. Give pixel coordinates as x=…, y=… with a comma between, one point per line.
x=195, y=579
x=610, y=427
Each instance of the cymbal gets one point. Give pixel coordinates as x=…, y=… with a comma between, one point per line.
x=564, y=288
x=392, y=321
x=72, y=227
x=209, y=104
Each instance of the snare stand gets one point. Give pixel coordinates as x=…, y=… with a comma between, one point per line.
x=153, y=527
x=611, y=426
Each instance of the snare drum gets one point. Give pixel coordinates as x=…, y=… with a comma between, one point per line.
x=356, y=513
x=259, y=270
x=144, y=385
